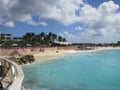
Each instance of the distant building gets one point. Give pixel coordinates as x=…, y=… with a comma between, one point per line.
x=17, y=39
x=29, y=45
x=5, y=37
x=63, y=43
x=15, y=45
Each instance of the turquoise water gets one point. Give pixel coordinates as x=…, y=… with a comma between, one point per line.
x=79, y=71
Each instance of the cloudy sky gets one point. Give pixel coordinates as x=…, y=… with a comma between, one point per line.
x=92, y=21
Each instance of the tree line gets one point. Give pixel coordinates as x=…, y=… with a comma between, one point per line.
x=33, y=39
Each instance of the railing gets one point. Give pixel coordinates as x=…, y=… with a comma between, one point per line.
x=13, y=75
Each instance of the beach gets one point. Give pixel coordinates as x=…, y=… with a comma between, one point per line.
x=48, y=54
x=52, y=54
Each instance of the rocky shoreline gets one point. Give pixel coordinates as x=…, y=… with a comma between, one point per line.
x=23, y=60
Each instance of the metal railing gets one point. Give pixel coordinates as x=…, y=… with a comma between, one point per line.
x=12, y=76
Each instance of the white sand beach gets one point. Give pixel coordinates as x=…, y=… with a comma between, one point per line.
x=48, y=54
x=51, y=54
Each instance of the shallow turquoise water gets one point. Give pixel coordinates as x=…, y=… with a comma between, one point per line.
x=79, y=71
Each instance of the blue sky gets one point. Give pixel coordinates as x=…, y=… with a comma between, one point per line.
x=92, y=21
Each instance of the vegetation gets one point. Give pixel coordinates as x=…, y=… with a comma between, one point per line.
x=43, y=39
x=8, y=43
x=32, y=39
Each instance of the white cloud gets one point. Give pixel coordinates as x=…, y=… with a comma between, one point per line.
x=102, y=24
x=43, y=23
x=1, y=20
x=108, y=7
x=9, y=24
x=69, y=36
x=63, y=11
x=78, y=28
x=104, y=21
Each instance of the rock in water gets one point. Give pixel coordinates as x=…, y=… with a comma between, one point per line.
x=27, y=59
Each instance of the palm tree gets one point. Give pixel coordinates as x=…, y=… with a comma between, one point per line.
x=45, y=40
x=50, y=33
x=22, y=43
x=8, y=43
x=39, y=38
x=29, y=38
x=26, y=37
x=54, y=36
x=42, y=38
x=60, y=39
x=43, y=35
x=50, y=38
x=64, y=40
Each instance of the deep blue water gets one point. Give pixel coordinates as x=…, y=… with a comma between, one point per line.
x=79, y=71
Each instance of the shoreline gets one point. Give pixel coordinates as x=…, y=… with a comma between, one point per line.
x=52, y=54
x=94, y=50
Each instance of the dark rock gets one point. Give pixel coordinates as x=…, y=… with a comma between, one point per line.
x=23, y=60
x=27, y=59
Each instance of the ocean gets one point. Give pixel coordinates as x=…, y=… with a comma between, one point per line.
x=99, y=70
